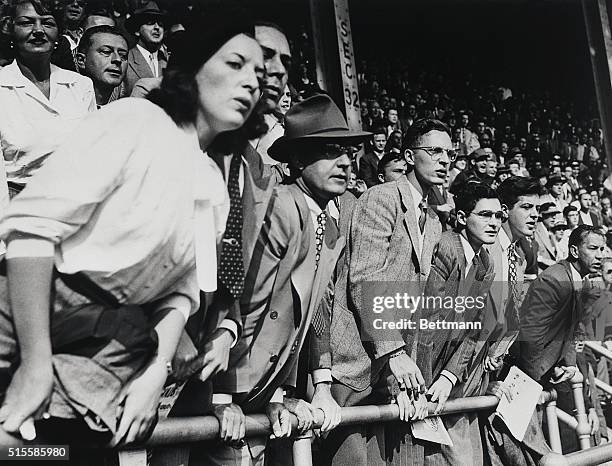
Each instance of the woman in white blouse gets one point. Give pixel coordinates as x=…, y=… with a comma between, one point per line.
x=119, y=207
x=41, y=103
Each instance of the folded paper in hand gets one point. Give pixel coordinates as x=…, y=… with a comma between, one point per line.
x=431, y=429
x=517, y=413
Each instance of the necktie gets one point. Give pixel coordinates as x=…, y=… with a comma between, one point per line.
x=152, y=64
x=318, y=322
x=512, y=278
x=423, y=214
x=231, y=265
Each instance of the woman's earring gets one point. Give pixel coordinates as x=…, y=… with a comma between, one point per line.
x=56, y=45
x=11, y=45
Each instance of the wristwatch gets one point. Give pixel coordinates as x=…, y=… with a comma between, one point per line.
x=165, y=362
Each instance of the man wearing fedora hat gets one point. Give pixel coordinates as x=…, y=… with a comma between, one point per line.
x=292, y=262
x=148, y=58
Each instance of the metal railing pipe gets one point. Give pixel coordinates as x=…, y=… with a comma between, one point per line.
x=566, y=419
x=583, y=429
x=599, y=349
x=552, y=422
x=590, y=457
x=604, y=387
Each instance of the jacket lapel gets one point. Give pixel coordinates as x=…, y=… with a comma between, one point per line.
x=138, y=65
x=410, y=218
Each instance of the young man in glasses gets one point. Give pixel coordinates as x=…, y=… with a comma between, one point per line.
x=289, y=272
x=463, y=272
x=392, y=236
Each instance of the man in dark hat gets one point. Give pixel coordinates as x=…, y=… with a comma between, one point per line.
x=292, y=263
x=555, y=191
x=148, y=58
x=547, y=246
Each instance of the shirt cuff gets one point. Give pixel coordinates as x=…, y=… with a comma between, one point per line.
x=450, y=376
x=279, y=396
x=232, y=327
x=321, y=375
x=30, y=247
x=222, y=398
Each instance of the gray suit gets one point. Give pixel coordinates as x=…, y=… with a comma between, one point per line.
x=383, y=246
x=139, y=68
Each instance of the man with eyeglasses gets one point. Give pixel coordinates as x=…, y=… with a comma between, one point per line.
x=292, y=261
x=148, y=58
x=392, y=236
x=463, y=270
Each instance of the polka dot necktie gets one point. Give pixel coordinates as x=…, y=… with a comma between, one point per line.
x=231, y=265
x=318, y=322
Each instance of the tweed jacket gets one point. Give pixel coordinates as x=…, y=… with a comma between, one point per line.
x=281, y=292
x=383, y=246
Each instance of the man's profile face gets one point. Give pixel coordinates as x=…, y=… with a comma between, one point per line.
x=522, y=143
x=549, y=219
x=426, y=170
x=393, y=171
x=379, y=141
x=277, y=60
x=106, y=59
x=481, y=165
x=605, y=203
x=590, y=253
x=523, y=216
x=465, y=121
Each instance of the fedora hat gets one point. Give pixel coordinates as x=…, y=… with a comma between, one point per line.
x=148, y=10
x=316, y=119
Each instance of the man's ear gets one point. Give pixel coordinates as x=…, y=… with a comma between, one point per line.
x=409, y=156
x=381, y=178
x=573, y=252
x=461, y=218
x=80, y=60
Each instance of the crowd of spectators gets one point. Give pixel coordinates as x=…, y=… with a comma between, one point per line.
x=177, y=210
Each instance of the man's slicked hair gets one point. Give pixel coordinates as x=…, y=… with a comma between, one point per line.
x=421, y=127
x=86, y=40
x=581, y=233
x=512, y=188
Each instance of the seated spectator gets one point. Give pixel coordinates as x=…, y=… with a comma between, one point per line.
x=547, y=246
x=459, y=165
x=102, y=57
x=479, y=160
x=35, y=127
x=586, y=216
x=572, y=217
x=368, y=165
x=606, y=212
x=391, y=167
x=70, y=21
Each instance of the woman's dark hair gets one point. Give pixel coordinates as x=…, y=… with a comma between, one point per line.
x=42, y=7
x=206, y=32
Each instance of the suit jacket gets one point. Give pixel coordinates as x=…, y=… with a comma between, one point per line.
x=281, y=292
x=547, y=249
x=594, y=219
x=383, y=246
x=368, y=169
x=452, y=350
x=139, y=68
x=550, y=315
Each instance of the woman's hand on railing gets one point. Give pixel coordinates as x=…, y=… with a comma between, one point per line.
x=406, y=371
x=405, y=405
x=304, y=412
x=232, y=423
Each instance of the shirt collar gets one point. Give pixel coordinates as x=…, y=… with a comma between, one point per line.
x=504, y=238
x=12, y=76
x=314, y=208
x=145, y=53
x=468, y=252
x=417, y=197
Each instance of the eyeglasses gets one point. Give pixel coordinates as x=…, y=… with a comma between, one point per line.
x=336, y=150
x=489, y=214
x=436, y=152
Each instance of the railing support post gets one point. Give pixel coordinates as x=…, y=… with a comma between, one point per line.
x=583, y=430
x=302, y=450
x=553, y=425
